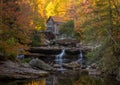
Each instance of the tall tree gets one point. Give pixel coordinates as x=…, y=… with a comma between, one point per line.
x=99, y=25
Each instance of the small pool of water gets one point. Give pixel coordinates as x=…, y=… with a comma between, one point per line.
x=63, y=79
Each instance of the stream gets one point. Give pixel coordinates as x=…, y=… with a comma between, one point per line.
x=63, y=80
x=64, y=77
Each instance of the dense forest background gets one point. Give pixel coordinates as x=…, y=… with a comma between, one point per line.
x=97, y=22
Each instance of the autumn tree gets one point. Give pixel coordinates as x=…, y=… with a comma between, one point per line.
x=99, y=25
x=39, y=16
x=15, y=25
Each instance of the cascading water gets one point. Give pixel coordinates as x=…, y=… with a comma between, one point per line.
x=20, y=56
x=59, y=57
x=59, y=60
x=80, y=58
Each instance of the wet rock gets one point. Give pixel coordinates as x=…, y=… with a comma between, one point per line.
x=15, y=70
x=67, y=42
x=45, y=42
x=37, y=63
x=56, y=66
x=93, y=69
x=72, y=65
x=54, y=50
x=84, y=71
x=94, y=72
x=94, y=66
x=73, y=51
x=45, y=50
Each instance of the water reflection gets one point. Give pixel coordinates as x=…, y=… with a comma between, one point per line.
x=86, y=80
x=60, y=80
x=37, y=82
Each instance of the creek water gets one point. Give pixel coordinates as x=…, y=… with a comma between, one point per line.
x=59, y=57
x=80, y=58
x=59, y=60
x=64, y=80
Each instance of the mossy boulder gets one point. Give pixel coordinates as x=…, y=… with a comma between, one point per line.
x=37, y=63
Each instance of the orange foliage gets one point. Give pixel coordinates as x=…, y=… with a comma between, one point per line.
x=15, y=26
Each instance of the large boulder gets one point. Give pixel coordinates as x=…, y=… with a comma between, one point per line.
x=37, y=63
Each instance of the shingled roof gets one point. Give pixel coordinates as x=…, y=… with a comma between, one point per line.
x=57, y=19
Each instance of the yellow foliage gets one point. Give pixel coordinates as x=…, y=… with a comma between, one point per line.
x=38, y=27
x=41, y=82
x=50, y=9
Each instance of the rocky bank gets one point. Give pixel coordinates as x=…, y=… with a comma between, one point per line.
x=15, y=70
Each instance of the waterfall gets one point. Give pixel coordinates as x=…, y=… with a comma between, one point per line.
x=80, y=58
x=20, y=56
x=59, y=57
x=59, y=60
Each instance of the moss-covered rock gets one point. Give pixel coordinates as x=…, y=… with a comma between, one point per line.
x=37, y=63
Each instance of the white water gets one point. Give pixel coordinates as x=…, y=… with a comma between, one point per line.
x=80, y=58
x=20, y=56
x=59, y=60
x=59, y=57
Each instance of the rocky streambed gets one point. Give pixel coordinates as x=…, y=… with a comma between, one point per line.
x=54, y=50
x=36, y=68
x=68, y=77
x=15, y=70
x=39, y=65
